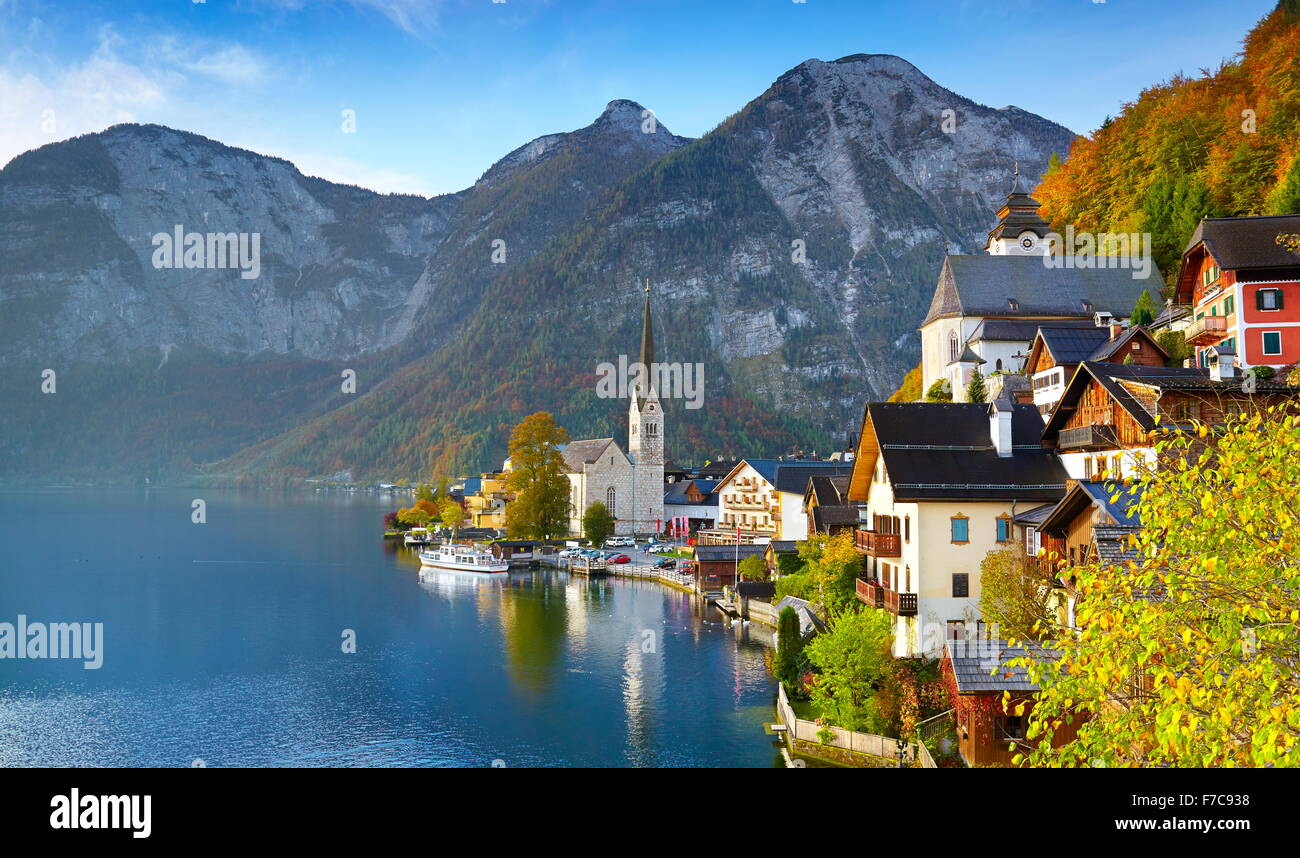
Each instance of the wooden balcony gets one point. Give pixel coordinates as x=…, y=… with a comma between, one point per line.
x=1086, y=438
x=878, y=544
x=1206, y=331
x=873, y=594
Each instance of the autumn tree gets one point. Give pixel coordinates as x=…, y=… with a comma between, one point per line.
x=831, y=565
x=451, y=515
x=1186, y=655
x=910, y=389
x=540, y=509
x=1015, y=594
x=597, y=523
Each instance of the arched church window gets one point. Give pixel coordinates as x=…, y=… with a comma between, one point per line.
x=952, y=348
x=610, y=497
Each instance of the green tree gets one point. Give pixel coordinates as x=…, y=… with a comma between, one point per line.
x=940, y=391
x=790, y=662
x=540, y=509
x=1175, y=343
x=597, y=523
x=424, y=493
x=1185, y=655
x=851, y=660
x=1144, y=312
x=976, y=390
x=753, y=568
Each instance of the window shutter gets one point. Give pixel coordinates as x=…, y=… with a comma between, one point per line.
x=1259, y=300
x=1278, y=293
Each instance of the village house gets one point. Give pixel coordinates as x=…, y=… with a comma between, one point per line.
x=716, y=565
x=941, y=485
x=827, y=507
x=1101, y=425
x=762, y=500
x=988, y=307
x=485, y=500
x=692, y=504
x=1057, y=352
x=989, y=691
x=1244, y=290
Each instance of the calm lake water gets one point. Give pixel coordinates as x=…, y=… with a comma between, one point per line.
x=222, y=643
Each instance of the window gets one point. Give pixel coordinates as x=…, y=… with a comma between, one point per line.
x=1229, y=305
x=1137, y=347
x=1013, y=727
x=960, y=585
x=1004, y=528
x=610, y=496
x=952, y=348
x=1268, y=299
x=1210, y=275
x=1087, y=468
x=1272, y=342
x=907, y=528
x=960, y=529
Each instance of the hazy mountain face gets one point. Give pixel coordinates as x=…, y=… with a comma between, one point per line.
x=792, y=252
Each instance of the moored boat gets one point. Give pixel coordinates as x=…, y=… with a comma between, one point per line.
x=462, y=558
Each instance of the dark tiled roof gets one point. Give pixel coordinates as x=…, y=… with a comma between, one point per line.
x=1111, y=542
x=1247, y=242
x=579, y=453
x=944, y=450
x=793, y=475
x=829, y=490
x=675, y=493
x=980, y=667
x=1124, y=509
x=1073, y=345
x=714, y=553
x=1111, y=348
x=1020, y=330
x=825, y=517
x=983, y=285
x=1034, y=517
x=784, y=546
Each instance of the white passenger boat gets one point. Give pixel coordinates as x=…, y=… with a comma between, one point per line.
x=462, y=558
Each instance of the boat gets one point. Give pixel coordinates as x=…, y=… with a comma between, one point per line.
x=463, y=558
x=417, y=536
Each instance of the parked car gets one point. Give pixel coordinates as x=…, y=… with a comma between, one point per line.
x=620, y=558
x=666, y=563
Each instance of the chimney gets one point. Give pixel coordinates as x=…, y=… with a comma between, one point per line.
x=1115, y=330
x=1000, y=426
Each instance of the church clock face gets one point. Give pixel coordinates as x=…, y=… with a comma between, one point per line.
x=1028, y=240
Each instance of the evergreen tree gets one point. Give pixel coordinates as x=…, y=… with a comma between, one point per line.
x=1144, y=311
x=976, y=391
x=789, y=663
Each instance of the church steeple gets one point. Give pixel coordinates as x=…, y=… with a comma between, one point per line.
x=647, y=350
x=1020, y=230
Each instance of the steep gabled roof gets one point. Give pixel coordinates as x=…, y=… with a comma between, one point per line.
x=935, y=451
x=985, y=285
x=1086, y=494
x=1247, y=242
x=579, y=453
x=1116, y=378
x=1111, y=348
x=790, y=475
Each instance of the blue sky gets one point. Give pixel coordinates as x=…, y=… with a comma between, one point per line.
x=442, y=88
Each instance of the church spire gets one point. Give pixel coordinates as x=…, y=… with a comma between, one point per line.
x=647, y=346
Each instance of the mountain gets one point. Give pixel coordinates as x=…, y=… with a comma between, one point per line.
x=1226, y=143
x=174, y=372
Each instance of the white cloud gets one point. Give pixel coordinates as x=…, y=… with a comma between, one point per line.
x=349, y=172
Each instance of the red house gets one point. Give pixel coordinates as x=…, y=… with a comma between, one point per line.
x=1244, y=290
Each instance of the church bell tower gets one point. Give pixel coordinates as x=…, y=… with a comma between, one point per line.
x=645, y=443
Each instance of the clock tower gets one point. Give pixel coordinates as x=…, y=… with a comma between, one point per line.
x=645, y=443
x=1021, y=231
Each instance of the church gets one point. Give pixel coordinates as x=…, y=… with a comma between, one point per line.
x=987, y=307
x=631, y=484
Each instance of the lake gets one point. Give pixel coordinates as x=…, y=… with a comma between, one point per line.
x=223, y=645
